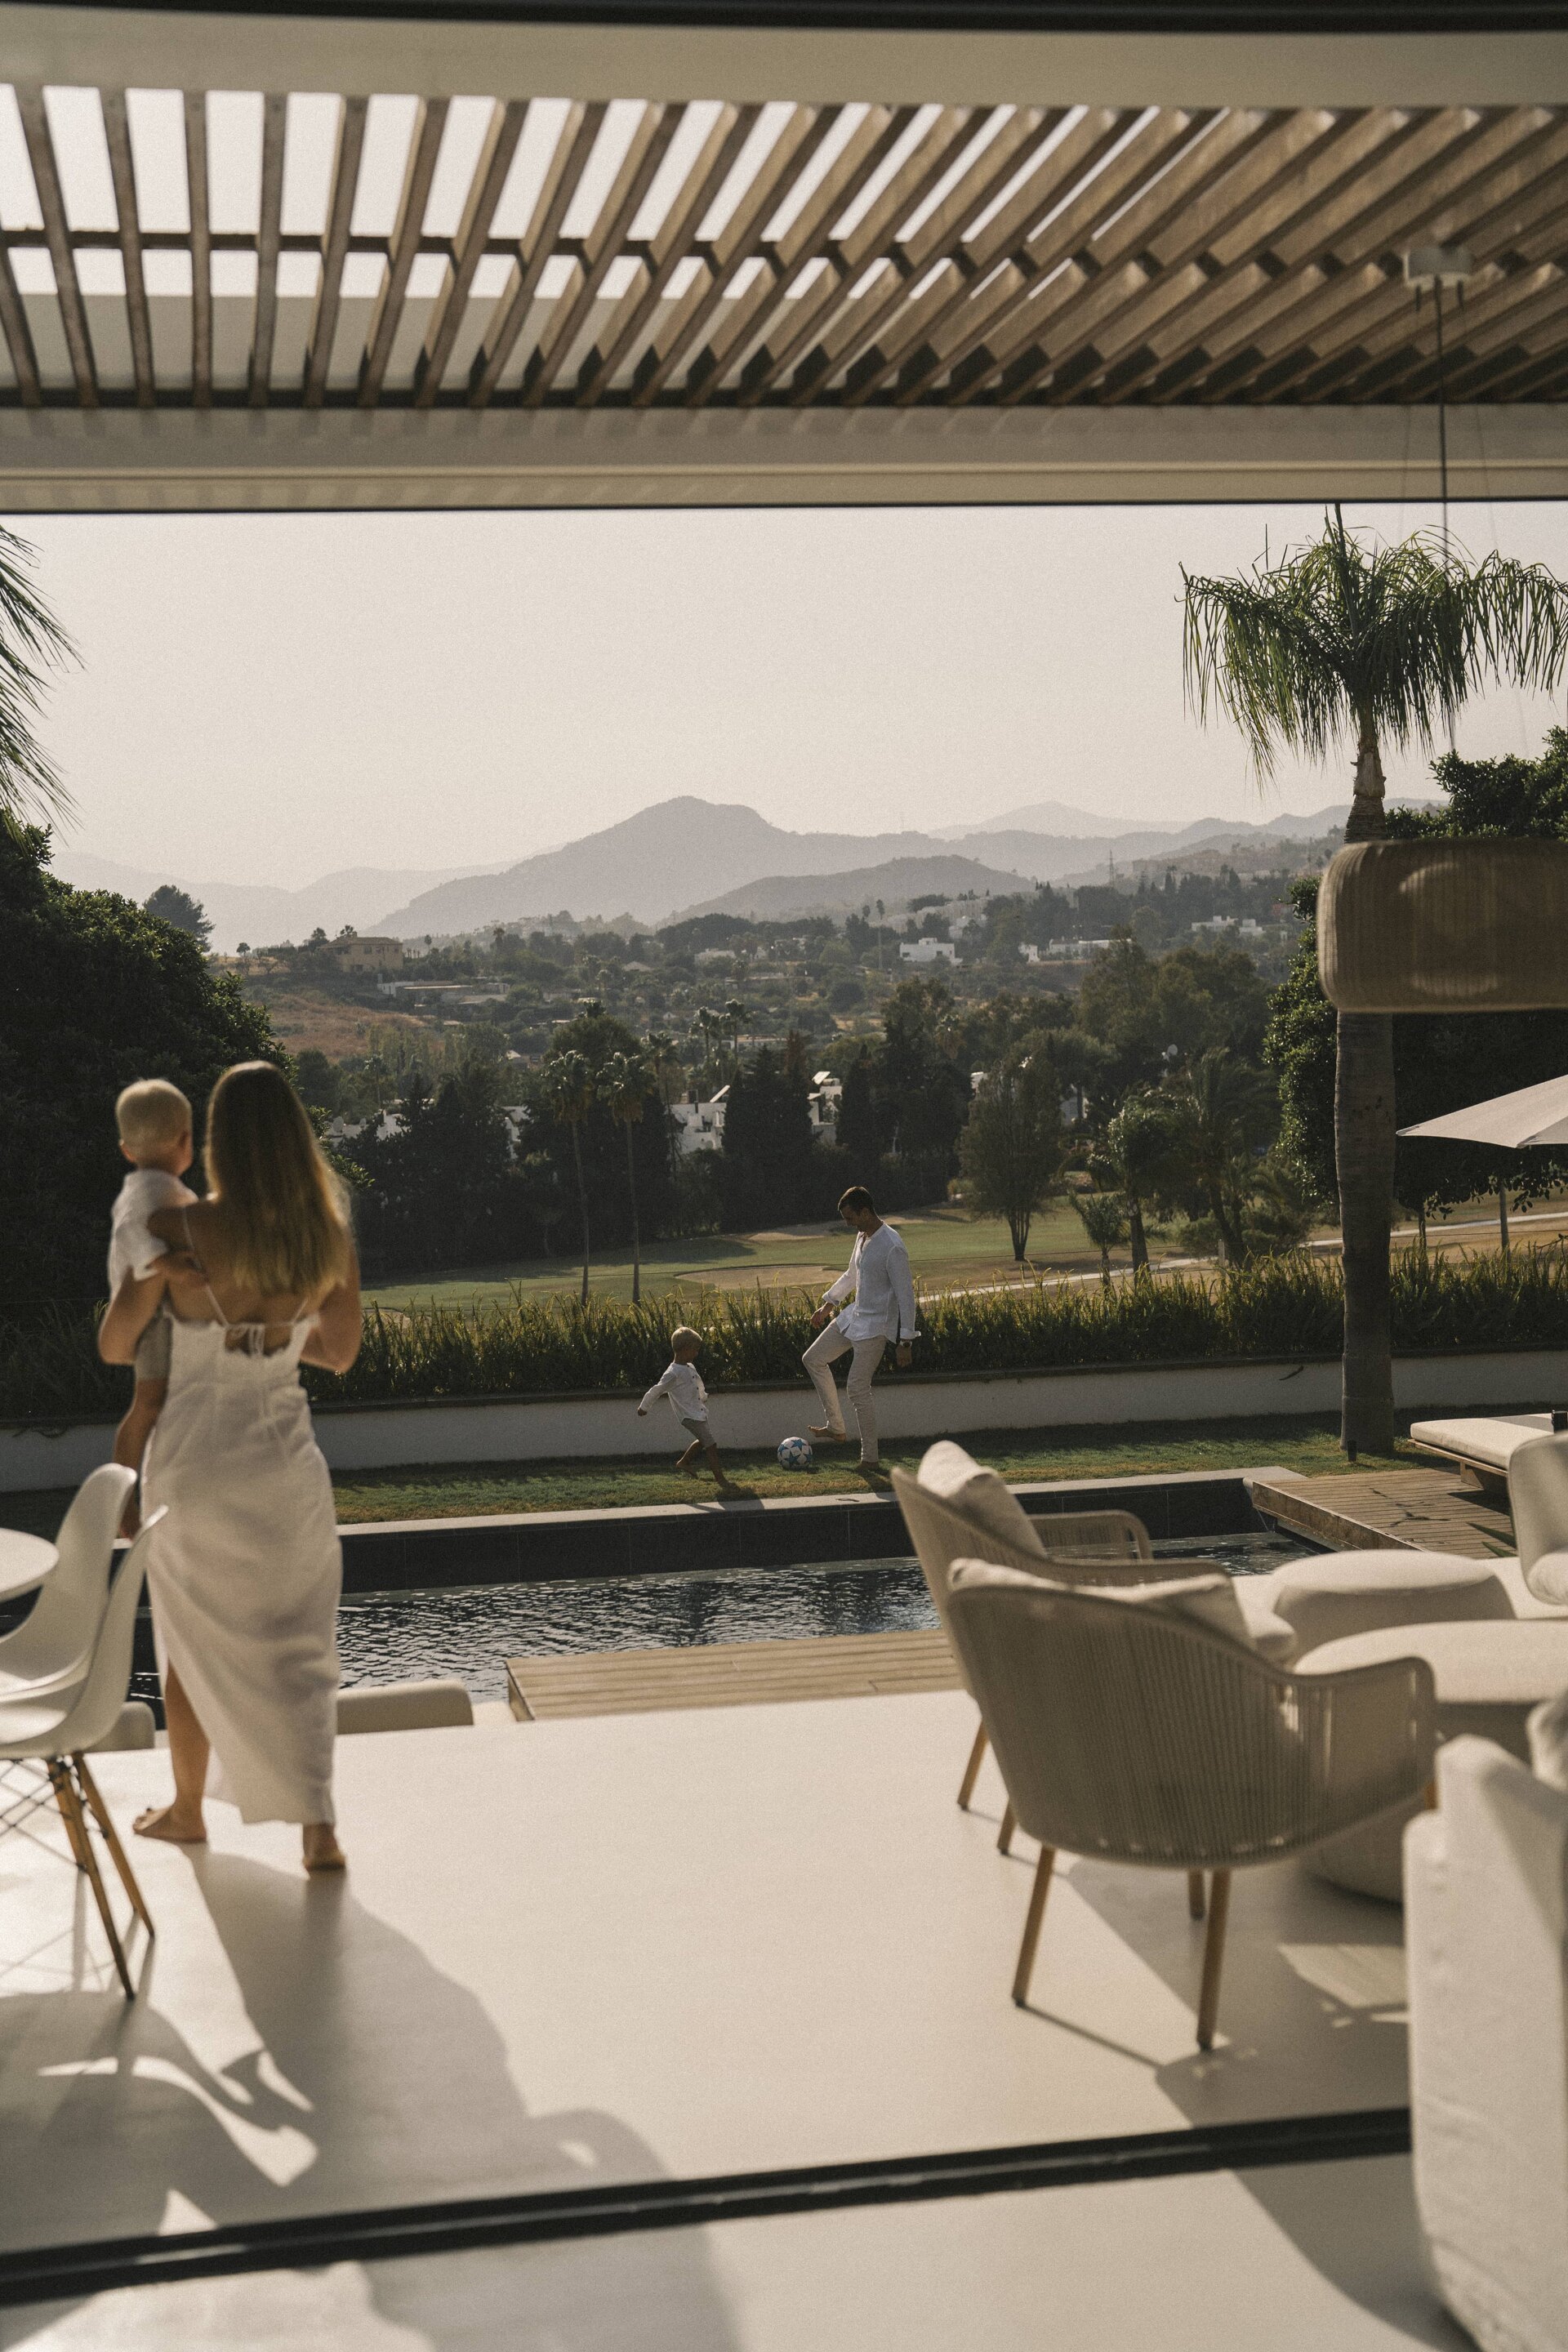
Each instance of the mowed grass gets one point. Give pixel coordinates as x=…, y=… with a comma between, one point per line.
x=947, y=1249
x=1309, y=1444
x=1306, y=1444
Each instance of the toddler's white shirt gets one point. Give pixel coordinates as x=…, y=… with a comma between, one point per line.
x=131, y=1248
x=682, y=1385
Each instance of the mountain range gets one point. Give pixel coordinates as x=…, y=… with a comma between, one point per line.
x=690, y=855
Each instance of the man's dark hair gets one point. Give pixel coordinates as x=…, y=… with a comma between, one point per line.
x=855, y=1200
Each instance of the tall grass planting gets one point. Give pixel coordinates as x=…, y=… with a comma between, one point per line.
x=1284, y=1307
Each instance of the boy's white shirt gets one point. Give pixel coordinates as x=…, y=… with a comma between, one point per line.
x=131, y=1248
x=879, y=1279
x=682, y=1385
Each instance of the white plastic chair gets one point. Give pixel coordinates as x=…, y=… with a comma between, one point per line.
x=56, y=1730
x=50, y=1649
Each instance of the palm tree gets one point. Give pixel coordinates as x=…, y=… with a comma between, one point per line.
x=1341, y=642
x=667, y=1069
x=570, y=1091
x=624, y=1083
x=736, y=1016
x=706, y=1025
x=31, y=639
x=1105, y=1222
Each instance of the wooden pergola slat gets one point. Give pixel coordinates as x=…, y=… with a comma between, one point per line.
x=921, y=258
x=19, y=337
x=812, y=234
x=737, y=244
x=620, y=208
x=117, y=132
x=269, y=230
x=1166, y=260
x=1078, y=151
x=535, y=248
x=334, y=248
x=1154, y=144
x=201, y=249
x=673, y=245
x=68, y=291
x=817, y=243
x=423, y=148
x=473, y=232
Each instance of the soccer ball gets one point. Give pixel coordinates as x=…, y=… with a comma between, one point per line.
x=795, y=1453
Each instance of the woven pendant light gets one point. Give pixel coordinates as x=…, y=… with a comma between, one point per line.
x=1444, y=927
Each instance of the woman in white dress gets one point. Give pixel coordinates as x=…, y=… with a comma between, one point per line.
x=244, y=1571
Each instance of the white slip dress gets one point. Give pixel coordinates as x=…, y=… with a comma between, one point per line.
x=245, y=1572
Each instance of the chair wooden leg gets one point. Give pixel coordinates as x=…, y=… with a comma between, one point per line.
x=1005, y=1835
x=1041, y=1888
x=64, y=1795
x=65, y=1788
x=1214, y=1958
x=972, y=1770
x=1195, y=1894
x=117, y=1853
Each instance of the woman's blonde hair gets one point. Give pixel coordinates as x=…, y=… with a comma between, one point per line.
x=284, y=1209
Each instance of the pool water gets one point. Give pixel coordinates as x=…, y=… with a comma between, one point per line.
x=470, y=1630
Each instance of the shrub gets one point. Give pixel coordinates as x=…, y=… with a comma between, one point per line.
x=1284, y=1307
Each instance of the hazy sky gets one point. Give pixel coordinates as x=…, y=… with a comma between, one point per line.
x=266, y=699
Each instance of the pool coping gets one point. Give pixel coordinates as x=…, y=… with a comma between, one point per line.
x=776, y=1531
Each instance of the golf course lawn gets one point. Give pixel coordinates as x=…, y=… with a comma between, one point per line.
x=947, y=1249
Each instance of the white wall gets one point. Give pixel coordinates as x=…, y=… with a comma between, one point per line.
x=378, y=1437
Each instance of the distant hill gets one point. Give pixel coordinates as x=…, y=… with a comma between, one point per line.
x=257, y=912
x=664, y=858
x=779, y=897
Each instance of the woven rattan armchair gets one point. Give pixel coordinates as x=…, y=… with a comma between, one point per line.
x=1085, y=1547
x=1128, y=1734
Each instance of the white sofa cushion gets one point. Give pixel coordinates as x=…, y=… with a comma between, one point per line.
x=978, y=1495
x=1487, y=1944
x=1547, y=1731
x=1332, y=1595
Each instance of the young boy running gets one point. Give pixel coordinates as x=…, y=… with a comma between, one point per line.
x=681, y=1383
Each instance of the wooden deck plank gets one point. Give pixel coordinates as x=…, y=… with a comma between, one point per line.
x=730, y=1674
x=1397, y=1510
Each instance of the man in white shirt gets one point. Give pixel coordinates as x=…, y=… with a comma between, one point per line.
x=879, y=1283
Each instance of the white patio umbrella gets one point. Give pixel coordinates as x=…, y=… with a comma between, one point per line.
x=1510, y=1122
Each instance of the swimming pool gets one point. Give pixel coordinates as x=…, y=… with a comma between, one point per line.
x=470, y=1630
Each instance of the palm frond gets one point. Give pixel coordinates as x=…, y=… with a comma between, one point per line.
x=1342, y=635
x=31, y=640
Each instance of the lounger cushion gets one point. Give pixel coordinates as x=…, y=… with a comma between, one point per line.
x=1489, y=1441
x=978, y=1495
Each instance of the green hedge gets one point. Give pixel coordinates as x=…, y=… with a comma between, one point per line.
x=1283, y=1307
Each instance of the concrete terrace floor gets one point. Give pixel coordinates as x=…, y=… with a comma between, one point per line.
x=671, y=1946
